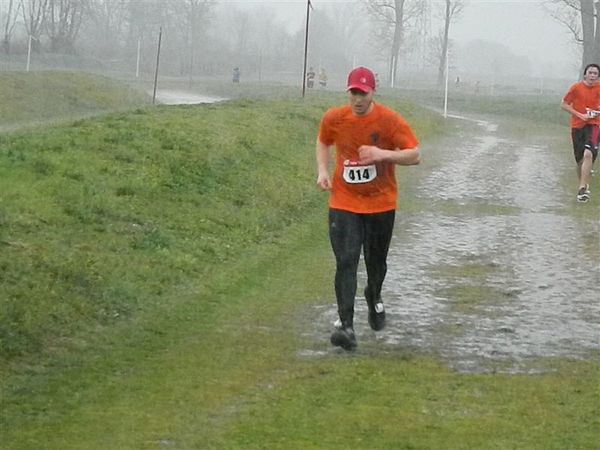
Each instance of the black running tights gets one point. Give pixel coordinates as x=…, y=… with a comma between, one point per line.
x=349, y=233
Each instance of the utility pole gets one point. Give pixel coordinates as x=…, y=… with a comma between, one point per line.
x=308, y=8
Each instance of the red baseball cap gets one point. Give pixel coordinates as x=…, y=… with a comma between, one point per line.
x=362, y=79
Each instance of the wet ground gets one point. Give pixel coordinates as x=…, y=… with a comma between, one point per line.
x=492, y=274
x=169, y=97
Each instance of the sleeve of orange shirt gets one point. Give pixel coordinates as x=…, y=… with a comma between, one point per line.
x=326, y=129
x=402, y=135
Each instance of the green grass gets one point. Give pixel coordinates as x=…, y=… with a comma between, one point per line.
x=100, y=214
x=41, y=97
x=525, y=110
x=157, y=271
x=411, y=403
x=467, y=287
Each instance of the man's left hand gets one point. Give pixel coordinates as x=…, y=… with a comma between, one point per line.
x=369, y=154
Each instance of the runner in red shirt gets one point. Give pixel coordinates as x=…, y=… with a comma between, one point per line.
x=582, y=101
x=370, y=140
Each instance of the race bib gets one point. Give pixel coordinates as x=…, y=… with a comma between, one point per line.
x=356, y=174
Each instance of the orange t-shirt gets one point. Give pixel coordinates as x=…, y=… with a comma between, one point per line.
x=364, y=189
x=582, y=96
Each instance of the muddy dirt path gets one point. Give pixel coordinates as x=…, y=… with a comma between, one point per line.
x=491, y=274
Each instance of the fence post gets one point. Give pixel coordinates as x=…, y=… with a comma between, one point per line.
x=157, y=63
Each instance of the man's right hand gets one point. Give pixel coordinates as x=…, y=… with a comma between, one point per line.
x=323, y=182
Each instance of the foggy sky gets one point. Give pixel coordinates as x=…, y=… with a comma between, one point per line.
x=526, y=29
x=522, y=26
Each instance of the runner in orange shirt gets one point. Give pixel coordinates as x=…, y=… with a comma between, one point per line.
x=370, y=140
x=582, y=101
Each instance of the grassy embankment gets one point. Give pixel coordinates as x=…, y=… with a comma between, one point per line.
x=156, y=270
x=46, y=97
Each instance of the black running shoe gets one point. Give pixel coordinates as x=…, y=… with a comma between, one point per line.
x=376, y=313
x=344, y=337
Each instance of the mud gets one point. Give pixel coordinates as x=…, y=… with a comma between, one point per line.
x=492, y=274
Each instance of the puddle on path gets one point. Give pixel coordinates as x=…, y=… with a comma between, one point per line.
x=503, y=245
x=184, y=98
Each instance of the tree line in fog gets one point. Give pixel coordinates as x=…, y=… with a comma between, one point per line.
x=207, y=37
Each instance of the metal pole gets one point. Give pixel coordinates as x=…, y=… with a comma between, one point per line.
x=308, y=6
x=157, y=63
x=192, y=50
x=446, y=88
x=29, y=53
x=137, y=63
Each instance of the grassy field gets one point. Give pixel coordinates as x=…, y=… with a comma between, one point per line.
x=42, y=97
x=526, y=108
x=156, y=267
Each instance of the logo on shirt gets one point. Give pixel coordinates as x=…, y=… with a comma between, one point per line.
x=374, y=138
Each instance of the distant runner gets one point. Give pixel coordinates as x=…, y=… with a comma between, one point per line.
x=236, y=75
x=310, y=78
x=323, y=79
x=369, y=139
x=582, y=101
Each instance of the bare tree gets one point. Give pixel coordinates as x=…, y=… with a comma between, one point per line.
x=581, y=17
x=145, y=18
x=107, y=21
x=453, y=10
x=241, y=31
x=10, y=21
x=393, y=17
x=192, y=13
x=267, y=45
x=422, y=37
x=63, y=22
x=340, y=25
x=34, y=14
